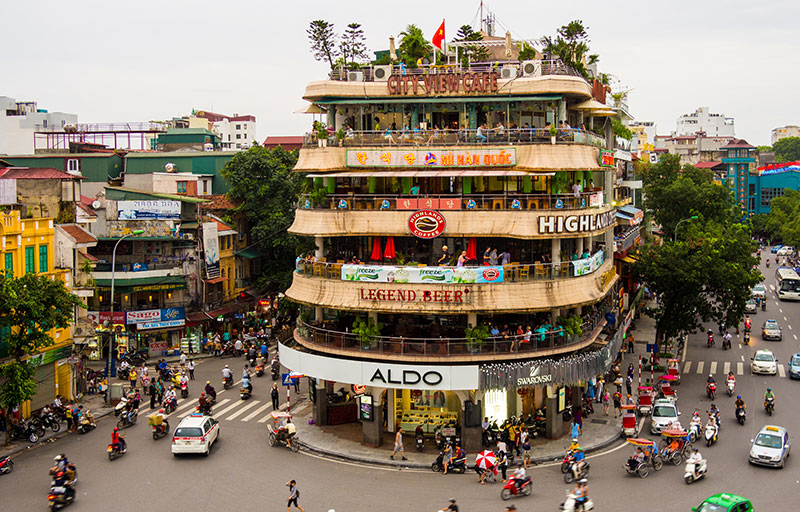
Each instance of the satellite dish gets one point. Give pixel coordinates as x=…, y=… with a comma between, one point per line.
x=170, y=167
x=95, y=204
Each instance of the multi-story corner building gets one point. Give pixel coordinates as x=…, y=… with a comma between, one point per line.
x=701, y=120
x=782, y=132
x=463, y=264
x=19, y=120
x=235, y=132
x=740, y=162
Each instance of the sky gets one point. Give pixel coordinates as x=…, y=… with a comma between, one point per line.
x=154, y=60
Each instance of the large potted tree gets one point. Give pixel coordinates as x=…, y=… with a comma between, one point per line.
x=367, y=332
x=476, y=337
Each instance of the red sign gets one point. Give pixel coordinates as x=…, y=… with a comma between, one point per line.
x=491, y=274
x=426, y=224
x=379, y=294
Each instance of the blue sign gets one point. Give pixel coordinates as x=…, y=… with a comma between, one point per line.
x=286, y=379
x=139, y=267
x=169, y=314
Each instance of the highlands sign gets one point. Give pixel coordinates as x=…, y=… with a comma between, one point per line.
x=552, y=224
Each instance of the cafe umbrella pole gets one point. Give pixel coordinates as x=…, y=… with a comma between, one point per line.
x=111, y=320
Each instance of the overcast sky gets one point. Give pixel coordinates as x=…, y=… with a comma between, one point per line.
x=111, y=61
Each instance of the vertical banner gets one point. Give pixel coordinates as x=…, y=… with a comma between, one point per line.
x=211, y=249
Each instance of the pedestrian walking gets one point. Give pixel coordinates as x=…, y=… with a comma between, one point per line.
x=575, y=430
x=599, y=391
x=153, y=392
x=191, y=369
x=579, y=418
x=275, y=395
x=502, y=463
x=132, y=376
x=296, y=382
x=183, y=359
x=398, y=444
x=294, y=494
x=629, y=384
x=617, y=404
x=606, y=399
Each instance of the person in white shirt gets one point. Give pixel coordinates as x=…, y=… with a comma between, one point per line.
x=697, y=459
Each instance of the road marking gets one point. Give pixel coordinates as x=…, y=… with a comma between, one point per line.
x=781, y=370
x=687, y=367
x=790, y=326
x=256, y=412
x=742, y=357
x=784, y=318
x=740, y=346
x=243, y=409
x=218, y=404
x=795, y=336
x=700, y=367
x=726, y=367
x=739, y=368
x=779, y=309
x=236, y=404
x=188, y=403
x=713, y=368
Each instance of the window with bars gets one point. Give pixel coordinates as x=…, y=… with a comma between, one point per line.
x=768, y=194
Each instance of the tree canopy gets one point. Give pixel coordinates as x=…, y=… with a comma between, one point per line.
x=708, y=272
x=787, y=149
x=478, y=53
x=352, y=44
x=413, y=45
x=266, y=191
x=323, y=41
x=571, y=45
x=783, y=220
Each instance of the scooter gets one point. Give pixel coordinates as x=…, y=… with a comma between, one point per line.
x=121, y=405
x=159, y=431
x=116, y=452
x=129, y=419
x=710, y=342
x=695, y=431
x=339, y=397
x=746, y=338
x=511, y=488
x=245, y=393
x=710, y=435
x=769, y=405
x=85, y=424
x=694, y=471
x=767, y=263
x=420, y=442
x=726, y=343
x=227, y=382
x=24, y=431
x=569, y=504
x=170, y=405
x=731, y=385
x=184, y=389
x=6, y=465
x=458, y=465
x=61, y=493
x=711, y=390
x=259, y=370
x=741, y=415
x=764, y=304
x=573, y=474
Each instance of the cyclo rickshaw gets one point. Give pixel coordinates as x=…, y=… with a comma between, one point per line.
x=674, y=368
x=645, y=400
x=628, y=420
x=675, y=445
x=652, y=459
x=278, y=432
x=665, y=383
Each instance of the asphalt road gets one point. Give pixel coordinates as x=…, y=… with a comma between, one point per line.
x=243, y=471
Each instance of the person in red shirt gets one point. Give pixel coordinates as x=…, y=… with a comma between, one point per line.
x=118, y=441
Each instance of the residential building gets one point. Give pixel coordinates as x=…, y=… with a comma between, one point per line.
x=785, y=131
x=192, y=139
x=771, y=181
x=740, y=160
x=644, y=134
x=701, y=120
x=184, y=183
x=412, y=328
x=235, y=132
x=288, y=143
x=19, y=120
x=697, y=148
x=41, y=192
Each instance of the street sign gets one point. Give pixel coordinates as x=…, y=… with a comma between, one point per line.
x=286, y=379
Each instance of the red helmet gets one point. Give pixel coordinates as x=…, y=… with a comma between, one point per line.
x=161, y=410
x=116, y=429
x=203, y=393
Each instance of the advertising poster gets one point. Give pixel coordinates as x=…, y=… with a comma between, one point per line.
x=587, y=265
x=211, y=249
x=422, y=275
x=148, y=210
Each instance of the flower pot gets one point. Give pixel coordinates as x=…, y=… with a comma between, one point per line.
x=552, y=139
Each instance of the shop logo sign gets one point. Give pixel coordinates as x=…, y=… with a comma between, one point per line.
x=426, y=224
x=491, y=274
x=409, y=377
x=535, y=378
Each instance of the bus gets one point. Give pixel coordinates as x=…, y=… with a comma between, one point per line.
x=788, y=284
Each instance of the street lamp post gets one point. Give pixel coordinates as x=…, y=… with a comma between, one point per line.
x=111, y=320
x=675, y=232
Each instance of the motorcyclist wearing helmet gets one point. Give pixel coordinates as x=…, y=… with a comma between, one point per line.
x=164, y=420
x=117, y=441
x=747, y=323
x=739, y=403
x=581, y=492
x=769, y=394
x=711, y=379
x=210, y=391
x=227, y=373
x=452, y=507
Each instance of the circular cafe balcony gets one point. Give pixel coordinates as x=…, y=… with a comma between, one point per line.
x=494, y=348
x=521, y=288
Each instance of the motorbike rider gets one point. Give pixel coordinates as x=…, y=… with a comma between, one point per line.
x=164, y=420
x=581, y=493
x=291, y=430
x=696, y=423
x=246, y=384
x=246, y=372
x=452, y=507
x=730, y=379
x=210, y=391
x=63, y=479
x=227, y=373
x=695, y=458
x=747, y=323
x=714, y=412
x=520, y=476
x=117, y=441
x=769, y=394
x=579, y=463
x=63, y=466
x=203, y=405
x=171, y=396
x=726, y=340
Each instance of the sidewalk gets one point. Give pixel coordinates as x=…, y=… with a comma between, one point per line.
x=344, y=443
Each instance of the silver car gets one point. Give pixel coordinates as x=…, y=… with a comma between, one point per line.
x=771, y=330
x=665, y=413
x=760, y=291
x=750, y=306
x=771, y=447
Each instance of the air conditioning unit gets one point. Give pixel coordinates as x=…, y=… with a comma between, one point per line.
x=508, y=72
x=355, y=76
x=381, y=73
x=532, y=68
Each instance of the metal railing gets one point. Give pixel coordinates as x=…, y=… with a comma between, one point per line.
x=627, y=240
x=447, y=137
x=512, y=273
x=128, y=267
x=548, y=68
x=538, y=341
x=509, y=201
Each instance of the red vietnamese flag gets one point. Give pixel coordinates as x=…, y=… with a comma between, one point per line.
x=439, y=36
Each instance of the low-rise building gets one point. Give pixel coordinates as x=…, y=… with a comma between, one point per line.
x=235, y=132
x=740, y=160
x=19, y=120
x=702, y=120
x=785, y=131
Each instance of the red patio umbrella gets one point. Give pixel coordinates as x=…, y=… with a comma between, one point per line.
x=388, y=251
x=472, y=249
x=376, y=249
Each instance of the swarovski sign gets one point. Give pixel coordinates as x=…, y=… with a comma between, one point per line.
x=383, y=375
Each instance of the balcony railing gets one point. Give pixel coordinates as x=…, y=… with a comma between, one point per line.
x=540, y=340
x=498, y=201
x=445, y=137
x=132, y=267
x=548, y=68
x=511, y=273
x=625, y=241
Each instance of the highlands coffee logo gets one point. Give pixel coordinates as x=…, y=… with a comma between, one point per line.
x=426, y=224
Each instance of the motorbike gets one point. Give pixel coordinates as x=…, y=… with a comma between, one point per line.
x=127, y=420
x=730, y=386
x=184, y=389
x=763, y=304
x=711, y=390
x=61, y=493
x=122, y=373
x=746, y=338
x=741, y=415
x=420, y=442
x=47, y=420
x=71, y=473
x=457, y=466
x=726, y=343
x=86, y=423
x=695, y=431
x=767, y=263
x=159, y=431
x=694, y=471
x=227, y=382
x=245, y=393
x=710, y=434
x=570, y=475
x=710, y=342
x=588, y=407
x=6, y=465
x=339, y=397
x=116, y=452
x=769, y=405
x=227, y=351
x=524, y=488
x=170, y=405
x=438, y=439
x=259, y=370
x=204, y=409
x=24, y=431
x=570, y=506
x=121, y=406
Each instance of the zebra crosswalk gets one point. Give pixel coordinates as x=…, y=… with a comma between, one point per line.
x=699, y=367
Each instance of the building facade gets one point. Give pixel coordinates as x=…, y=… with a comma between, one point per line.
x=785, y=131
x=235, y=132
x=701, y=120
x=19, y=120
x=740, y=161
x=771, y=181
x=464, y=247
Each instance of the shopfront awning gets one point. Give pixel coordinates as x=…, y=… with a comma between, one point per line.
x=250, y=254
x=144, y=284
x=216, y=280
x=633, y=215
x=444, y=173
x=630, y=259
x=442, y=100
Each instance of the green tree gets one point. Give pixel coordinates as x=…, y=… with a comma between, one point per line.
x=352, y=45
x=571, y=45
x=476, y=53
x=266, y=191
x=30, y=306
x=413, y=45
x=764, y=149
x=323, y=41
x=787, y=150
x=783, y=220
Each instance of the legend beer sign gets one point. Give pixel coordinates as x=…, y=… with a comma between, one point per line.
x=554, y=224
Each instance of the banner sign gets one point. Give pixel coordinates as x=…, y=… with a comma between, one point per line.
x=100, y=317
x=491, y=157
x=607, y=159
x=158, y=346
x=550, y=224
x=143, y=210
x=444, y=83
x=422, y=275
x=160, y=325
x=426, y=203
x=8, y=191
x=155, y=315
x=596, y=200
x=211, y=249
x=588, y=265
x=139, y=267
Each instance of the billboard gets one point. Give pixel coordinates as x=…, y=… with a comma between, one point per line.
x=211, y=249
x=148, y=210
x=422, y=275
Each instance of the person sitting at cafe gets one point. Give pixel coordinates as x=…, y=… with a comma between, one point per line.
x=444, y=259
x=387, y=136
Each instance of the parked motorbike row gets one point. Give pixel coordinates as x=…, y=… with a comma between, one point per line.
x=534, y=423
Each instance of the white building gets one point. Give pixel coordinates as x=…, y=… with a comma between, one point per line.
x=235, y=132
x=20, y=119
x=701, y=120
x=785, y=131
x=644, y=135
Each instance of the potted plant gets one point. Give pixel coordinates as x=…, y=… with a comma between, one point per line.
x=366, y=331
x=322, y=135
x=476, y=336
x=340, y=136
x=571, y=325
x=553, y=132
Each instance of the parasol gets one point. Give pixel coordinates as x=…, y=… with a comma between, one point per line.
x=486, y=459
x=392, y=50
x=376, y=249
x=508, y=45
x=388, y=251
x=472, y=249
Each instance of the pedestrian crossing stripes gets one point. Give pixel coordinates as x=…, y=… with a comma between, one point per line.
x=687, y=367
x=739, y=368
x=234, y=409
x=700, y=367
x=781, y=370
x=713, y=368
x=256, y=412
x=727, y=366
x=242, y=410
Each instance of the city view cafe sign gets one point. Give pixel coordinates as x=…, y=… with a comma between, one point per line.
x=442, y=83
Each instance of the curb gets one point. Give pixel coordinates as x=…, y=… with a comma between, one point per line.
x=400, y=465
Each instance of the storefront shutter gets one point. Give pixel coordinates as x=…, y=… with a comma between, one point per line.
x=45, y=386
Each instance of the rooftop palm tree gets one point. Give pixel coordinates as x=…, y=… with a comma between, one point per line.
x=413, y=45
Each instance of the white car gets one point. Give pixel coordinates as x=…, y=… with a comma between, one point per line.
x=665, y=413
x=764, y=362
x=759, y=290
x=196, y=433
x=785, y=251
